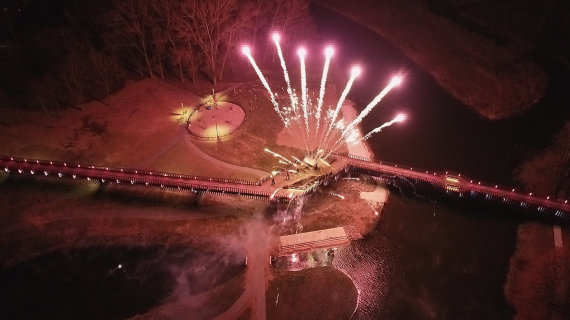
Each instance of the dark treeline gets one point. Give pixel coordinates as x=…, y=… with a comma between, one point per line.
x=60, y=53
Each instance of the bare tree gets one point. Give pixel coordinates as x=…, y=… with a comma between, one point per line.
x=213, y=27
x=293, y=18
x=290, y=17
x=44, y=92
x=181, y=54
x=106, y=68
x=128, y=25
x=193, y=35
x=71, y=67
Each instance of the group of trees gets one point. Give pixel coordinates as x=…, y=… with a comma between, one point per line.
x=548, y=171
x=89, y=48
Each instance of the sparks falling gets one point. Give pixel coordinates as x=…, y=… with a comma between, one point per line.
x=247, y=51
x=277, y=155
x=329, y=51
x=276, y=37
x=302, y=53
x=398, y=118
x=355, y=71
x=318, y=123
x=394, y=82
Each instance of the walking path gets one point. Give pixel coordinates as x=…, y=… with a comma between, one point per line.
x=254, y=172
x=187, y=139
x=257, y=245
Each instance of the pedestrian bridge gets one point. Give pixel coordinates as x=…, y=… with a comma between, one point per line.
x=454, y=184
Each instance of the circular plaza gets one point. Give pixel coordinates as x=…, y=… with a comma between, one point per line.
x=215, y=120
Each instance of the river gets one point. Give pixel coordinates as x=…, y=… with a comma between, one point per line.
x=428, y=259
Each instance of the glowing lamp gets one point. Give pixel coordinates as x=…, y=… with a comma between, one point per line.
x=246, y=50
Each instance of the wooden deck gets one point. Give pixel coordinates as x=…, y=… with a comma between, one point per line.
x=327, y=238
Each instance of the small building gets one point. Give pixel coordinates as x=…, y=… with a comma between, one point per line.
x=307, y=241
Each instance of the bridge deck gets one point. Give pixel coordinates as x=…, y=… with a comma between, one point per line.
x=459, y=184
x=266, y=190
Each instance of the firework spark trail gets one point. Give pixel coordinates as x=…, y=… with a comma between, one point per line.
x=398, y=118
x=394, y=82
x=302, y=52
x=275, y=154
x=293, y=119
x=355, y=139
x=299, y=161
x=328, y=54
x=276, y=39
x=274, y=193
x=247, y=51
x=353, y=74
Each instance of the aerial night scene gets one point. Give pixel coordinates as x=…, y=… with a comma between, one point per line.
x=284, y=159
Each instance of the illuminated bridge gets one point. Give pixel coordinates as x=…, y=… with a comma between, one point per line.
x=453, y=184
x=163, y=180
x=461, y=186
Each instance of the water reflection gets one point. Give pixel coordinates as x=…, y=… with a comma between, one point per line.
x=417, y=265
x=110, y=282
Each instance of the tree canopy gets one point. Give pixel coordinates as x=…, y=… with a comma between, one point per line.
x=79, y=50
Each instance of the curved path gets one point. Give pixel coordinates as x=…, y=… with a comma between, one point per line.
x=184, y=136
x=254, y=172
x=257, y=246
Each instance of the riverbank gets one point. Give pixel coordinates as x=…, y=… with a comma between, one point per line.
x=496, y=81
x=538, y=282
x=316, y=293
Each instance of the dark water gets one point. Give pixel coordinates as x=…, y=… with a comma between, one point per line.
x=427, y=260
x=89, y=284
x=440, y=133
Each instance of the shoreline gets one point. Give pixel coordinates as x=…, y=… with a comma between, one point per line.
x=480, y=78
x=537, y=281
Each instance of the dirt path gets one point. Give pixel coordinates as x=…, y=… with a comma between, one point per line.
x=257, y=245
